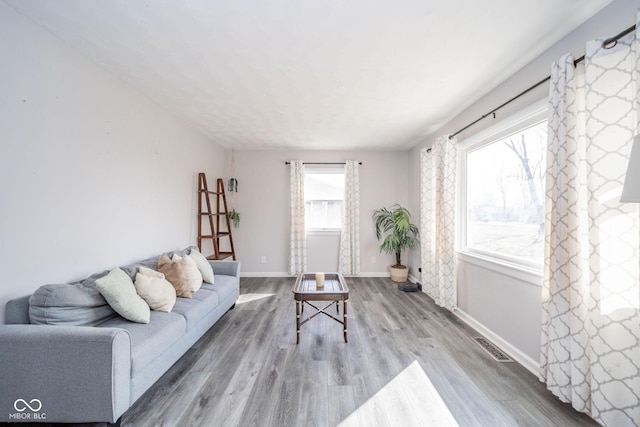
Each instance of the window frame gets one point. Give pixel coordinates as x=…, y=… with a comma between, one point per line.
x=525, y=270
x=324, y=169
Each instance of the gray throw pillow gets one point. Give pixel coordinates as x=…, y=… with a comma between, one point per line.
x=66, y=304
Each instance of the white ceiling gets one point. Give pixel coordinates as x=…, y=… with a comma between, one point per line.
x=311, y=74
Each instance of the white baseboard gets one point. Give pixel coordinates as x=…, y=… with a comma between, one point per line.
x=371, y=274
x=517, y=355
x=285, y=274
x=265, y=274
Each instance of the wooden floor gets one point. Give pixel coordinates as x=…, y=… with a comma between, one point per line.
x=407, y=363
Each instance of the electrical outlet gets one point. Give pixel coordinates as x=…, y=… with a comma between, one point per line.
x=373, y=260
x=263, y=259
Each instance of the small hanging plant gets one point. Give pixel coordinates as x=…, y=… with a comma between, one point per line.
x=234, y=216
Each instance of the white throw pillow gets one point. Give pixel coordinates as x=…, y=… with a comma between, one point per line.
x=203, y=265
x=120, y=292
x=155, y=289
x=191, y=269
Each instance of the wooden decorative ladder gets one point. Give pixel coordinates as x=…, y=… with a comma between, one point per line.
x=216, y=233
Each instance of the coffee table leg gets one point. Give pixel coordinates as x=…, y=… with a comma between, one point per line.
x=297, y=322
x=344, y=310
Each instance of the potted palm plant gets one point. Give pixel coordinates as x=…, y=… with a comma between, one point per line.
x=399, y=234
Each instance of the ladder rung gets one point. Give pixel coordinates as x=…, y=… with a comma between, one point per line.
x=210, y=192
x=217, y=235
x=213, y=214
x=222, y=255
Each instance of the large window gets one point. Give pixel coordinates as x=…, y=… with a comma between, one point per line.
x=324, y=195
x=503, y=193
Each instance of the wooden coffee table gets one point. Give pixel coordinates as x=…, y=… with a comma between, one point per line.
x=335, y=290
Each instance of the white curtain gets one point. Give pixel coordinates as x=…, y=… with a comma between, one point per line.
x=298, y=238
x=349, y=259
x=437, y=221
x=590, y=349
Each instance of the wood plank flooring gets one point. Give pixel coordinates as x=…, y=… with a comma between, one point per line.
x=407, y=363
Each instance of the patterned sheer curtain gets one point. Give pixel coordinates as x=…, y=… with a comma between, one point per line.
x=349, y=260
x=298, y=237
x=437, y=221
x=590, y=350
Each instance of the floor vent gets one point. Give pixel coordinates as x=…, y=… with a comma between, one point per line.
x=493, y=351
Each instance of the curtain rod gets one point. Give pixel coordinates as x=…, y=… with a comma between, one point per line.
x=321, y=163
x=607, y=44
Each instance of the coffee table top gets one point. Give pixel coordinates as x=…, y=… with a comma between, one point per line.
x=335, y=287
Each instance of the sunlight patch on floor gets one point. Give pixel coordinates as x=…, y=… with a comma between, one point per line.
x=410, y=399
x=252, y=297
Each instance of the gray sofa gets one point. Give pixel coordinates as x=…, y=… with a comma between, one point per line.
x=73, y=374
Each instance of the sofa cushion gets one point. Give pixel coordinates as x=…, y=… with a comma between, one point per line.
x=225, y=286
x=90, y=282
x=155, y=289
x=67, y=304
x=182, y=272
x=120, y=292
x=203, y=265
x=132, y=269
x=182, y=252
x=151, y=340
x=195, y=309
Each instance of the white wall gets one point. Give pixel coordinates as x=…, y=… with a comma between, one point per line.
x=93, y=174
x=504, y=306
x=263, y=203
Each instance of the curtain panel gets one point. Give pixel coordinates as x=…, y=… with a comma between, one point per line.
x=297, y=236
x=437, y=221
x=349, y=258
x=590, y=348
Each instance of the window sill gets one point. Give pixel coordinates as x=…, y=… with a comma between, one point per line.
x=525, y=274
x=326, y=232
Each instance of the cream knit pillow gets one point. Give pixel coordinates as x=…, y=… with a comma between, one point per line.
x=155, y=289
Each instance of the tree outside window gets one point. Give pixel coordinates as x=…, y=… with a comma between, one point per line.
x=505, y=195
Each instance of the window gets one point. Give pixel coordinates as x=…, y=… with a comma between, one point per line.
x=324, y=195
x=503, y=181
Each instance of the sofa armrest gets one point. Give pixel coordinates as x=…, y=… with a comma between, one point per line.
x=227, y=268
x=17, y=311
x=64, y=373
